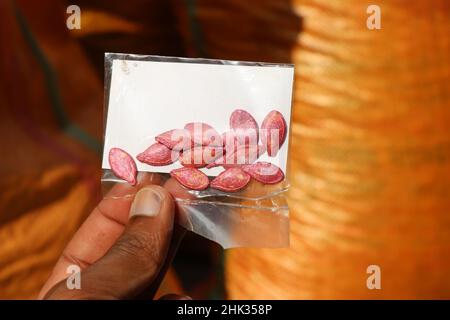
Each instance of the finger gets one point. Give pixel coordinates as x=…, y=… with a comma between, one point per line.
x=177, y=190
x=136, y=258
x=181, y=195
x=100, y=230
x=177, y=236
x=175, y=297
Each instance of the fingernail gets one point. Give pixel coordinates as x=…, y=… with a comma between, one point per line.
x=147, y=202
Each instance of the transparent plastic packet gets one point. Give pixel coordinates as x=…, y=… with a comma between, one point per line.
x=215, y=133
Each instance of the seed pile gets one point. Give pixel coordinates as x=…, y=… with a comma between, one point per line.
x=198, y=145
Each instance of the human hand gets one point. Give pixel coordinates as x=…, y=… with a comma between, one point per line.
x=123, y=248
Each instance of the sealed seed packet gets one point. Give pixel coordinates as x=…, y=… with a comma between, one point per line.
x=213, y=132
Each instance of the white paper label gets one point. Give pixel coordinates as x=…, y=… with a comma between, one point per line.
x=148, y=98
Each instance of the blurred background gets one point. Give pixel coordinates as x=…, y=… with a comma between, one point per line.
x=370, y=147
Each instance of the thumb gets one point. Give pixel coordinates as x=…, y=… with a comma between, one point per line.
x=135, y=260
